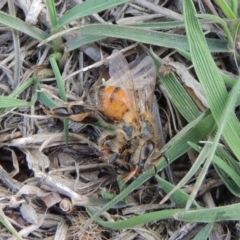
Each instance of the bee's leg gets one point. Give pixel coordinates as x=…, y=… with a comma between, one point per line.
x=166, y=158
x=155, y=169
x=56, y=112
x=129, y=176
x=114, y=158
x=77, y=113
x=108, y=143
x=114, y=143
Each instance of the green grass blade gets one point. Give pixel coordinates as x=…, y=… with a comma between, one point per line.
x=210, y=78
x=61, y=88
x=87, y=8
x=234, y=7
x=46, y=100
x=229, y=159
x=52, y=12
x=229, y=81
x=138, y=220
x=230, y=105
x=58, y=75
x=178, y=95
x=83, y=40
x=7, y=224
x=23, y=87
x=204, y=233
x=228, y=170
x=226, y=9
x=145, y=36
x=164, y=25
x=8, y=102
x=199, y=161
x=19, y=25
x=217, y=214
x=221, y=22
x=228, y=175
x=57, y=42
x=179, y=197
x=195, y=131
x=17, y=52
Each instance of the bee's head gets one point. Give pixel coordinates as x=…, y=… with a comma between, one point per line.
x=143, y=153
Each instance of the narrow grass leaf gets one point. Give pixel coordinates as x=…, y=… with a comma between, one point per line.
x=201, y=129
x=8, y=102
x=83, y=40
x=87, y=8
x=57, y=42
x=223, y=153
x=226, y=9
x=145, y=36
x=19, y=25
x=227, y=168
x=138, y=220
x=21, y=88
x=217, y=214
x=7, y=224
x=229, y=81
x=46, y=100
x=58, y=75
x=61, y=88
x=52, y=12
x=199, y=161
x=164, y=25
x=234, y=7
x=221, y=22
x=204, y=233
x=228, y=175
x=178, y=95
x=17, y=51
x=210, y=78
x=179, y=197
x=230, y=105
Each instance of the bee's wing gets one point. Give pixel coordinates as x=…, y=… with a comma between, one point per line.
x=121, y=76
x=138, y=82
x=144, y=75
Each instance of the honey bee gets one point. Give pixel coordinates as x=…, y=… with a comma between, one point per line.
x=125, y=104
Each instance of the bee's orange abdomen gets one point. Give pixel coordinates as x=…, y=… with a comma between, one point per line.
x=114, y=102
